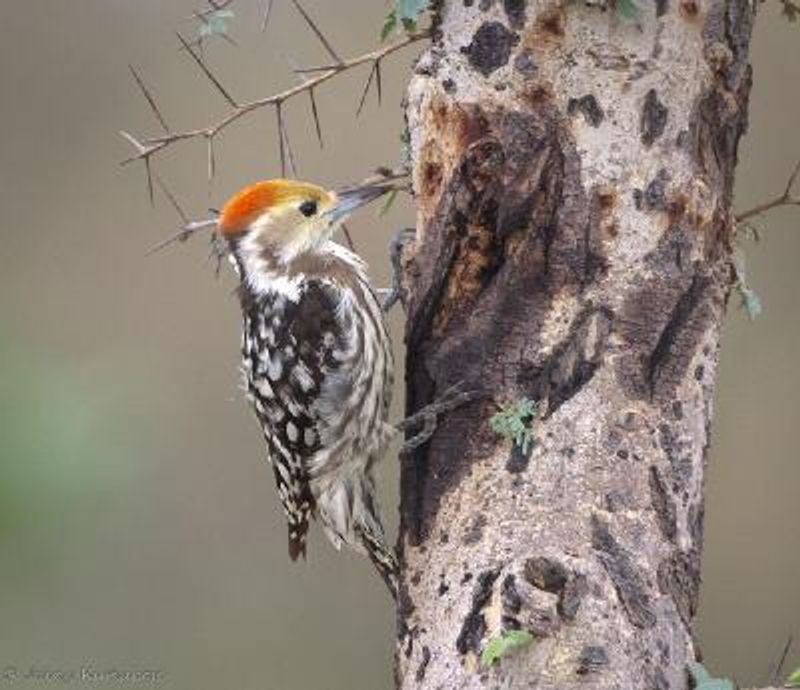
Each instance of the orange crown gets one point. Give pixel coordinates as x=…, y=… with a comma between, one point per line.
x=251, y=202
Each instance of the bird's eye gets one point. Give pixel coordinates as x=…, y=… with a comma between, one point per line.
x=308, y=208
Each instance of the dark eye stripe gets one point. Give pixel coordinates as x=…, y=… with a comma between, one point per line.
x=308, y=208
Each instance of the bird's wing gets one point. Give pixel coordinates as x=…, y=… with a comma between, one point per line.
x=296, y=350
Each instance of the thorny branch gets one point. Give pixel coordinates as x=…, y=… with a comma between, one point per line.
x=784, y=199
x=147, y=148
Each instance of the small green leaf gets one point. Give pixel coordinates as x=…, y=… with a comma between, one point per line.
x=389, y=25
x=627, y=9
x=386, y=205
x=704, y=681
x=410, y=9
x=216, y=23
x=793, y=681
x=509, y=642
x=750, y=300
x=514, y=422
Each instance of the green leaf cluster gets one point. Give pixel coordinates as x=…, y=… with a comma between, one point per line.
x=514, y=422
x=750, y=300
x=216, y=23
x=704, y=681
x=405, y=13
x=507, y=643
x=793, y=681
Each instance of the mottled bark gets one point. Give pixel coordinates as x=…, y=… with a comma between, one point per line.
x=573, y=175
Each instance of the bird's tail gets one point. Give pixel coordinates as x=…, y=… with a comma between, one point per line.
x=383, y=558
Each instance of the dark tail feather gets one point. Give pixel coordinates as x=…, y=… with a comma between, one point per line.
x=297, y=539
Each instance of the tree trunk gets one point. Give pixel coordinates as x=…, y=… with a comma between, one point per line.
x=573, y=174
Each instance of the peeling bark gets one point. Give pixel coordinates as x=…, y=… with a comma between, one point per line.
x=573, y=176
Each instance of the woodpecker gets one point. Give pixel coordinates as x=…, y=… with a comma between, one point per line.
x=317, y=359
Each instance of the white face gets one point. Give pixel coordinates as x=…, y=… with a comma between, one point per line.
x=294, y=227
x=304, y=221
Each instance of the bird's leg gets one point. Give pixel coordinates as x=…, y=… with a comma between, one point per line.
x=425, y=420
x=396, y=293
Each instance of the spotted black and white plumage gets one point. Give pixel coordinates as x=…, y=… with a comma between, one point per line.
x=318, y=370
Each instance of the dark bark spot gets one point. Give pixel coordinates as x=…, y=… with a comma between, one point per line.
x=525, y=64
x=654, y=118
x=680, y=464
x=663, y=505
x=589, y=107
x=423, y=664
x=515, y=11
x=485, y=5
x=716, y=127
x=572, y=363
x=474, y=532
x=663, y=323
x=662, y=6
x=431, y=178
x=449, y=85
x=655, y=194
x=659, y=681
x=670, y=343
x=628, y=581
x=546, y=574
x=518, y=460
x=550, y=22
x=679, y=577
x=474, y=626
x=592, y=659
x=512, y=603
x=696, y=519
x=677, y=409
x=572, y=596
x=689, y=9
x=491, y=47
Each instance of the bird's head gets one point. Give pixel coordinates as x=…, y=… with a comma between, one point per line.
x=289, y=218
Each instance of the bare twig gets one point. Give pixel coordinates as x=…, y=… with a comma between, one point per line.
x=372, y=75
x=777, y=672
x=172, y=200
x=317, y=32
x=315, y=115
x=267, y=12
x=212, y=160
x=784, y=199
x=202, y=65
x=151, y=146
x=150, y=99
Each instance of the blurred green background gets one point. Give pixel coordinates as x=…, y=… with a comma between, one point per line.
x=139, y=528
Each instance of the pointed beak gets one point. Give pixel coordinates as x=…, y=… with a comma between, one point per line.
x=348, y=200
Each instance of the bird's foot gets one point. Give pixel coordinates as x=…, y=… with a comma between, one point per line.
x=426, y=419
x=396, y=293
